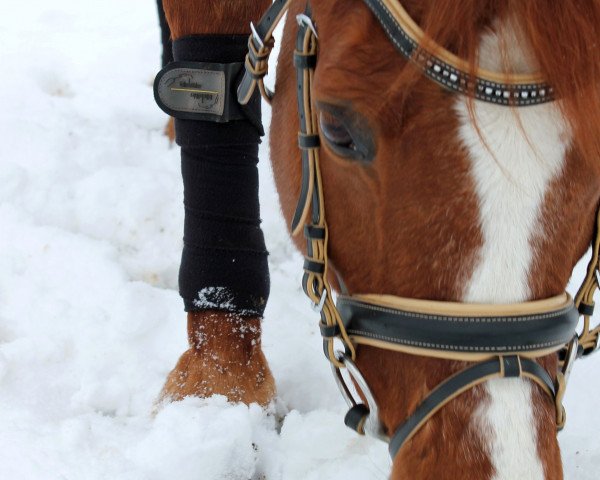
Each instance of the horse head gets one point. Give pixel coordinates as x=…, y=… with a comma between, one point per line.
x=438, y=196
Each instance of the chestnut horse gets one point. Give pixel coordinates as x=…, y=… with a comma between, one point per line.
x=451, y=199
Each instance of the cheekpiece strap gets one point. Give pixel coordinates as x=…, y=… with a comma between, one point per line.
x=310, y=211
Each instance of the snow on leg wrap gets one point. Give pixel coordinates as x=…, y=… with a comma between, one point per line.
x=224, y=260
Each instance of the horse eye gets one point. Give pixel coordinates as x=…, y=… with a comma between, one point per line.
x=335, y=133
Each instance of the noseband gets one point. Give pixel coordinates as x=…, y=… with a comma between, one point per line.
x=500, y=341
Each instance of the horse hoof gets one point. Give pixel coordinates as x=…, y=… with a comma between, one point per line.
x=224, y=358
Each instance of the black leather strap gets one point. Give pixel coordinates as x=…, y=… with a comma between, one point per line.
x=306, y=142
x=304, y=61
x=265, y=26
x=329, y=331
x=452, y=79
x=586, y=308
x=315, y=267
x=511, y=366
x=306, y=164
x=311, y=232
x=458, y=334
x=457, y=384
x=261, y=36
x=355, y=418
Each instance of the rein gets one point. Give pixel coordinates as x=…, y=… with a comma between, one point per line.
x=501, y=341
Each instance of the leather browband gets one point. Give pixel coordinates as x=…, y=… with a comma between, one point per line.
x=441, y=333
x=450, y=71
x=442, y=67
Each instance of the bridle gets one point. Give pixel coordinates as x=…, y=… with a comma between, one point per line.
x=501, y=341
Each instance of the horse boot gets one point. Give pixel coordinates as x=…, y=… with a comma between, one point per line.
x=224, y=276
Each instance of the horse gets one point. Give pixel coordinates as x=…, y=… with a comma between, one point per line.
x=431, y=195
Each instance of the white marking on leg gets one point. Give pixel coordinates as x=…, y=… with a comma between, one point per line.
x=528, y=154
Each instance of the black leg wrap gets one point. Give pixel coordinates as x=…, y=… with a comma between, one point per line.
x=224, y=261
x=165, y=35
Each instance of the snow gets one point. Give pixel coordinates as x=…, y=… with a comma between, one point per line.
x=90, y=320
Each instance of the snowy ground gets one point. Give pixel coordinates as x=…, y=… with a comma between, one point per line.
x=90, y=319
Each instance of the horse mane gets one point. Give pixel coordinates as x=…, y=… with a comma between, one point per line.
x=564, y=34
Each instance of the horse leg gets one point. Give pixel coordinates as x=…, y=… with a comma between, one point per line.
x=224, y=274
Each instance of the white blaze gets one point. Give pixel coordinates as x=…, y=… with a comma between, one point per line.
x=511, y=184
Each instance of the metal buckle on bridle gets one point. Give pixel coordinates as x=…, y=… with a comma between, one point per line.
x=595, y=347
x=256, y=36
x=596, y=344
x=318, y=307
x=571, y=355
x=305, y=21
x=562, y=380
x=366, y=417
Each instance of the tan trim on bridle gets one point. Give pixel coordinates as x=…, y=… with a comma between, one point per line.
x=317, y=286
x=415, y=32
x=468, y=309
x=443, y=354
